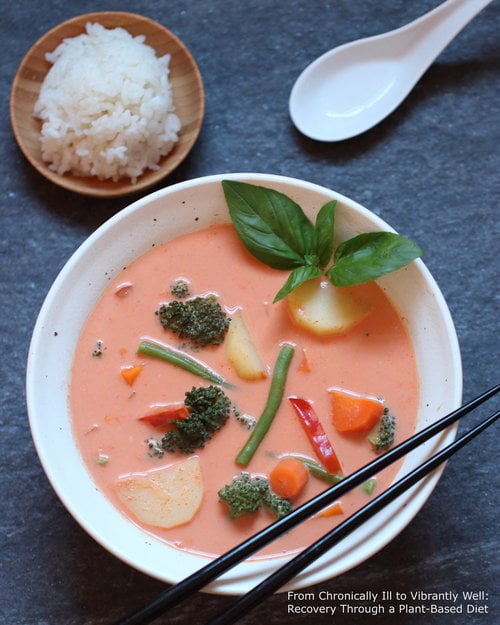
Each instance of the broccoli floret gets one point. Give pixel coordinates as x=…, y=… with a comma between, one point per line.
x=200, y=320
x=382, y=437
x=180, y=289
x=209, y=409
x=246, y=494
x=279, y=506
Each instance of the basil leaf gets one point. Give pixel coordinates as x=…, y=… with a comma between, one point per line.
x=323, y=233
x=370, y=255
x=298, y=276
x=271, y=225
x=311, y=259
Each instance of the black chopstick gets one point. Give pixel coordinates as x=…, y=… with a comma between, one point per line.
x=297, y=564
x=199, y=579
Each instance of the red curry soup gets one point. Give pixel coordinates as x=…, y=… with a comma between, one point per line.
x=113, y=388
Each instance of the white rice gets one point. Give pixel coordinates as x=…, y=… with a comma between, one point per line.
x=106, y=106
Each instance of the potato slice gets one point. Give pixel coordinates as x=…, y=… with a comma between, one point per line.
x=324, y=309
x=241, y=351
x=164, y=497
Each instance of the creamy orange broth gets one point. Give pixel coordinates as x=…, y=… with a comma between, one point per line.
x=376, y=357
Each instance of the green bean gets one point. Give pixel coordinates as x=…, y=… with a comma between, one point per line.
x=274, y=398
x=320, y=472
x=181, y=360
x=369, y=486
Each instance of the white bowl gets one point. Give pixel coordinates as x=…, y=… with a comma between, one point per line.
x=156, y=218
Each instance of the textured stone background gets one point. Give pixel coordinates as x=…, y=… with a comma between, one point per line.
x=431, y=170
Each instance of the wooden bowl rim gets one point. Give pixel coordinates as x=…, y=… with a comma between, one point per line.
x=90, y=185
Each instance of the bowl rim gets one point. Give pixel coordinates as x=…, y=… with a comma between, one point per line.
x=92, y=186
x=245, y=575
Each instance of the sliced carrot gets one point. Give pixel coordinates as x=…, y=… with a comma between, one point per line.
x=162, y=418
x=333, y=510
x=130, y=374
x=305, y=364
x=288, y=478
x=354, y=413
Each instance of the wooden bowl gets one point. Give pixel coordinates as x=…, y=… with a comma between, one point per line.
x=187, y=91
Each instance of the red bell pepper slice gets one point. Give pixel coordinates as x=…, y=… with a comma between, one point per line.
x=166, y=416
x=317, y=436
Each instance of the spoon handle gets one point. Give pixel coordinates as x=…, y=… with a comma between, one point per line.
x=440, y=26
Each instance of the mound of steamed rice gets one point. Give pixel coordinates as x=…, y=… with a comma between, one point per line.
x=106, y=106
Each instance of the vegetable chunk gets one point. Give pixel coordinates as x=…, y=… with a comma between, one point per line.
x=382, y=436
x=316, y=434
x=288, y=478
x=323, y=309
x=241, y=351
x=166, y=497
x=130, y=374
x=354, y=413
x=332, y=510
x=202, y=320
x=273, y=403
x=248, y=493
x=166, y=416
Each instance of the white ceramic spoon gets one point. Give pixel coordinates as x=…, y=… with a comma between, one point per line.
x=353, y=87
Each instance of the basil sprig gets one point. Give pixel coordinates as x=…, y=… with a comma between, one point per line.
x=277, y=232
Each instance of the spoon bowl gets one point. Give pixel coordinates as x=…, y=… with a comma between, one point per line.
x=353, y=87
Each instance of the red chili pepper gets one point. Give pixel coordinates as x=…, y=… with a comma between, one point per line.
x=314, y=430
x=166, y=416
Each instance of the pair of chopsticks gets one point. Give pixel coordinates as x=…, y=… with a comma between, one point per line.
x=198, y=580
